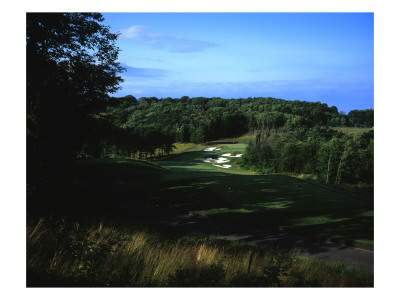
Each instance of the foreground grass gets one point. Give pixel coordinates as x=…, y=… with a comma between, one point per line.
x=62, y=252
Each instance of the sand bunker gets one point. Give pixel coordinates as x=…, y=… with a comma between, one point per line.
x=223, y=166
x=221, y=160
x=217, y=161
x=230, y=155
x=212, y=149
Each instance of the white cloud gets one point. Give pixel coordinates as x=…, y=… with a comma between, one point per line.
x=164, y=41
x=133, y=32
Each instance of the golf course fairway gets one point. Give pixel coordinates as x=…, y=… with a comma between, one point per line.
x=185, y=183
x=272, y=201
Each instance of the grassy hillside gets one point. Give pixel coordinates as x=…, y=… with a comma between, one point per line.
x=99, y=187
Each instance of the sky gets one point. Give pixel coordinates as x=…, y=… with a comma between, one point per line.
x=326, y=57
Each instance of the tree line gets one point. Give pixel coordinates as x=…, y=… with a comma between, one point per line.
x=149, y=123
x=355, y=117
x=332, y=155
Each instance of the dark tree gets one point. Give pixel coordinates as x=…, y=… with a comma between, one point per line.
x=71, y=70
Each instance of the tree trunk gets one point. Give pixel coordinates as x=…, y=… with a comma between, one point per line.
x=329, y=161
x=339, y=166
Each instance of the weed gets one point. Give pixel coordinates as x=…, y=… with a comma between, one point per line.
x=79, y=254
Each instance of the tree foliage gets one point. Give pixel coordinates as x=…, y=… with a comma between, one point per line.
x=71, y=70
x=289, y=136
x=202, y=119
x=332, y=155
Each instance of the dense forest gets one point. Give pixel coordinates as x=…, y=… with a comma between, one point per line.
x=142, y=126
x=332, y=155
x=288, y=136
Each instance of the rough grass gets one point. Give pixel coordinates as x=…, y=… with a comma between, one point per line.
x=243, y=139
x=179, y=147
x=71, y=253
x=352, y=130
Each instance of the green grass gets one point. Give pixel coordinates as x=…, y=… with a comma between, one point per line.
x=191, y=164
x=271, y=201
x=179, y=147
x=243, y=138
x=352, y=130
x=67, y=253
x=185, y=183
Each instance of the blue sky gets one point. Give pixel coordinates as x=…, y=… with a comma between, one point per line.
x=327, y=57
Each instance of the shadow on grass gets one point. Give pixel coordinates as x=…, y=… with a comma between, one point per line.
x=276, y=202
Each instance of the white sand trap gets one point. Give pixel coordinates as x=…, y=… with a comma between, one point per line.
x=221, y=160
x=223, y=166
x=226, y=166
x=230, y=155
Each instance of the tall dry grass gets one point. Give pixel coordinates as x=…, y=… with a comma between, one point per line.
x=72, y=254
